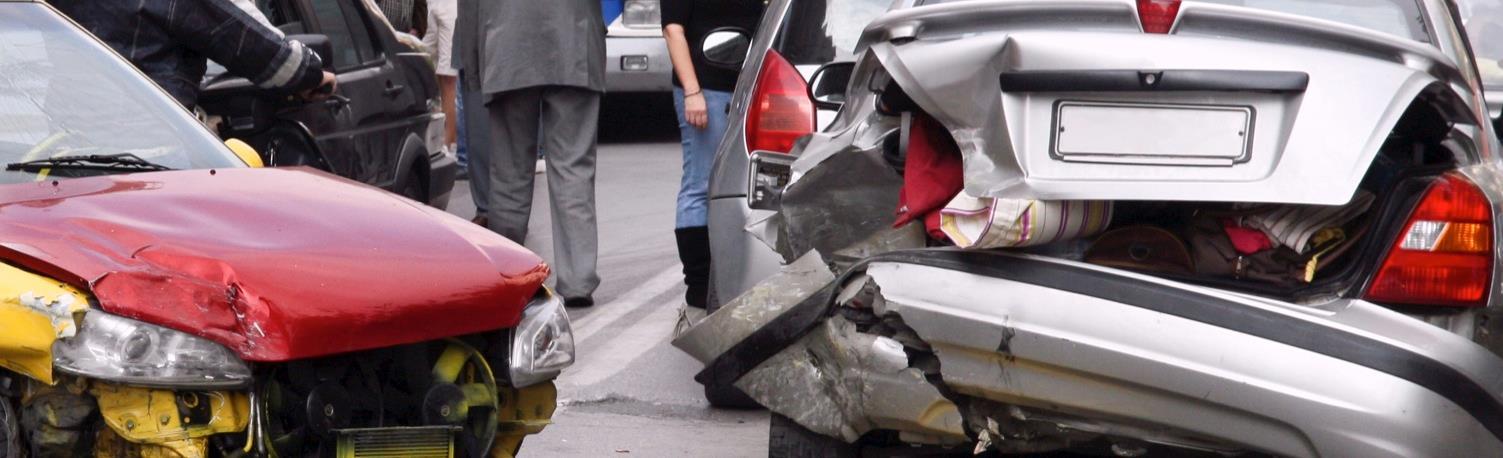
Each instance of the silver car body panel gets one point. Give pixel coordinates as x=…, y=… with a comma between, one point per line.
x=621, y=42
x=736, y=235
x=1089, y=356
x=1354, y=96
x=1097, y=350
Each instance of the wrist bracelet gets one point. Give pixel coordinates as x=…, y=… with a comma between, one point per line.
x=691, y=94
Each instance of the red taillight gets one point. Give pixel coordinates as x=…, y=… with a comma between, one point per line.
x=1444, y=256
x=780, y=110
x=1157, y=16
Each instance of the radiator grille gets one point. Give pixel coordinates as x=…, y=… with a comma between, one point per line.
x=418, y=442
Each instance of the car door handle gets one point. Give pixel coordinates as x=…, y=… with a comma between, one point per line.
x=336, y=101
x=393, y=89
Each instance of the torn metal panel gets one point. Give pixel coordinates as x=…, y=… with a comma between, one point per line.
x=34, y=312
x=843, y=383
x=750, y=311
x=847, y=198
x=908, y=237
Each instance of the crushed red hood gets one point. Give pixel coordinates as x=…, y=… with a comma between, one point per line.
x=276, y=264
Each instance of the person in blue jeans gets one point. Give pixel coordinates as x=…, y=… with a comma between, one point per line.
x=700, y=95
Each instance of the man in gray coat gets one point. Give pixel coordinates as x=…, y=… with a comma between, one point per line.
x=541, y=64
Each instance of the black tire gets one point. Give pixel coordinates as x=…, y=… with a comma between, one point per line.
x=10, y=430
x=724, y=396
x=787, y=439
x=413, y=188
x=729, y=397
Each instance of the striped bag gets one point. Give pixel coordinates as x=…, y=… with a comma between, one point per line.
x=985, y=222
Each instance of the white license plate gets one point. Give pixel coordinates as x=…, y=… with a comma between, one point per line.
x=1151, y=133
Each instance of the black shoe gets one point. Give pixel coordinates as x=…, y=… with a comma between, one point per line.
x=694, y=253
x=579, y=302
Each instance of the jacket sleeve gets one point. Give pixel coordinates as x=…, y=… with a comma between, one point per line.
x=224, y=33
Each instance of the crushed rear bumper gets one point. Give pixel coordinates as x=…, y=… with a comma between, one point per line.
x=1096, y=350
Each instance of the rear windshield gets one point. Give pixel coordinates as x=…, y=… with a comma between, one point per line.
x=1394, y=17
x=1484, y=26
x=822, y=31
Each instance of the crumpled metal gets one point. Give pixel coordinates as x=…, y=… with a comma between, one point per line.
x=843, y=383
x=275, y=264
x=848, y=197
x=755, y=308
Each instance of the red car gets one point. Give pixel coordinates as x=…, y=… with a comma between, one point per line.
x=160, y=298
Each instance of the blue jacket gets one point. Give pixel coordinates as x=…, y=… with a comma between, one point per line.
x=171, y=40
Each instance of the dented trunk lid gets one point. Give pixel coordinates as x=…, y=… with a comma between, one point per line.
x=1070, y=100
x=276, y=264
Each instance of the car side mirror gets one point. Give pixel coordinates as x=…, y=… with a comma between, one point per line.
x=1494, y=100
x=320, y=45
x=827, y=85
x=726, y=47
x=245, y=152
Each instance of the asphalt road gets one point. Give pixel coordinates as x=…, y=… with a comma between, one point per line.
x=629, y=392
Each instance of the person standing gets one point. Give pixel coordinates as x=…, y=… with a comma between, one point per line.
x=701, y=93
x=474, y=141
x=440, y=41
x=542, y=66
x=403, y=15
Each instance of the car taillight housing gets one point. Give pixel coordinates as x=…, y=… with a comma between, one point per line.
x=780, y=110
x=1444, y=256
x=1157, y=16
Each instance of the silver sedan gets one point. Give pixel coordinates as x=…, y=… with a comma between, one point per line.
x=1347, y=141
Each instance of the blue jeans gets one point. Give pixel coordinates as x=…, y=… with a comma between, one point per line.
x=699, y=156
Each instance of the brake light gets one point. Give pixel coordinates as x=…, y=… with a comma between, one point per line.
x=1445, y=254
x=781, y=110
x=1157, y=16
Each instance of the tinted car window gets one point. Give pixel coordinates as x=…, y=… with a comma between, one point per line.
x=1484, y=25
x=64, y=94
x=347, y=34
x=820, y=31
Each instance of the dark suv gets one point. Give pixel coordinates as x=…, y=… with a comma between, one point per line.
x=381, y=127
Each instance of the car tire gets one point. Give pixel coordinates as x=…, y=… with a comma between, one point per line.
x=413, y=188
x=729, y=397
x=10, y=429
x=788, y=439
x=723, y=396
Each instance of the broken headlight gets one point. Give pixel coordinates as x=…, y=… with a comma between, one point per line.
x=111, y=348
x=543, y=343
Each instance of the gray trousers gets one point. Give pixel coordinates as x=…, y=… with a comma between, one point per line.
x=478, y=144
x=564, y=120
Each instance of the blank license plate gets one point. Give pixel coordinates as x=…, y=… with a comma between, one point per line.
x=1151, y=133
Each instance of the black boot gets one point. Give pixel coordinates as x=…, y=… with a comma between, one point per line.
x=694, y=252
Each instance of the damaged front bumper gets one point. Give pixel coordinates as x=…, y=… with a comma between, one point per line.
x=1019, y=353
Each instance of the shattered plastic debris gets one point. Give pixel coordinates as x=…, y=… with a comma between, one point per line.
x=59, y=310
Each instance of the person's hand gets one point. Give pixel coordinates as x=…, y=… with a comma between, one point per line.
x=695, y=112
x=325, y=88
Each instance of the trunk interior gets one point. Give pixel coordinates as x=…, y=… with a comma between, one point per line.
x=1251, y=247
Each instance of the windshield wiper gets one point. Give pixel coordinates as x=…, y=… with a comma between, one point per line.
x=102, y=162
